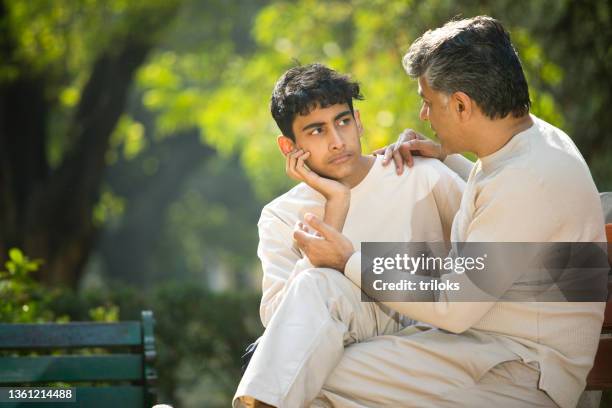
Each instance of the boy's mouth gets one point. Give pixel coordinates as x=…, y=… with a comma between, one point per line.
x=341, y=158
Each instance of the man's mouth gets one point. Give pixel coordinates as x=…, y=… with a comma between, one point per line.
x=341, y=158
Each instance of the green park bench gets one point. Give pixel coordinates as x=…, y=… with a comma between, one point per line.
x=113, y=367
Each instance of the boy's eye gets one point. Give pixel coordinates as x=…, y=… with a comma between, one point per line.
x=316, y=131
x=344, y=121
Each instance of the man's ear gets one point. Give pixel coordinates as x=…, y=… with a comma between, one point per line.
x=462, y=105
x=358, y=121
x=285, y=144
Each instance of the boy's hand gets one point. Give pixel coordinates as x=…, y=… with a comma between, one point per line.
x=296, y=169
x=323, y=244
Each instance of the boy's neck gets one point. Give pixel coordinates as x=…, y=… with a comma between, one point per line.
x=364, y=164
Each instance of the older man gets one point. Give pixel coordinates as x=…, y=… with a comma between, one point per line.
x=530, y=184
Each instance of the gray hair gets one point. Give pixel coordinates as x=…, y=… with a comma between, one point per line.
x=474, y=56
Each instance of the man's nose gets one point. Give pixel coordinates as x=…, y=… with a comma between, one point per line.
x=336, y=140
x=424, y=114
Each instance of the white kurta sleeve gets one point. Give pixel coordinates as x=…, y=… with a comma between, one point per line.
x=511, y=208
x=447, y=188
x=281, y=261
x=460, y=165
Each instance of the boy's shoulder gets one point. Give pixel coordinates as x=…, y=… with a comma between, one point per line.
x=430, y=170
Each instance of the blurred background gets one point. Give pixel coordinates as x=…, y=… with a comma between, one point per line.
x=137, y=148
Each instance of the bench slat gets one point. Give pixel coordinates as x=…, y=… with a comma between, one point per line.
x=94, y=397
x=79, y=334
x=115, y=367
x=600, y=376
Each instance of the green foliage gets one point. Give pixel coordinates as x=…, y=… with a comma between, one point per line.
x=365, y=38
x=23, y=299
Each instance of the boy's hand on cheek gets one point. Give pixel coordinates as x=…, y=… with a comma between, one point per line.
x=296, y=169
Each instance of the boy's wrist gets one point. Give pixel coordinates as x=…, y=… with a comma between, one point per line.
x=339, y=196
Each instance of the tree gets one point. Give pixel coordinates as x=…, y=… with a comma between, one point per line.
x=46, y=205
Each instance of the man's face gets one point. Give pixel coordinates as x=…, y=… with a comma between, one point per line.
x=331, y=135
x=436, y=111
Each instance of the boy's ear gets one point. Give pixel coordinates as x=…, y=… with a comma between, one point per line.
x=358, y=121
x=285, y=144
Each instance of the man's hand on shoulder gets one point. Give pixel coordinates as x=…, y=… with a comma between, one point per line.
x=410, y=143
x=322, y=244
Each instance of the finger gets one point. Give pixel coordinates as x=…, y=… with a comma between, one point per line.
x=380, y=151
x=294, y=158
x=320, y=226
x=303, y=239
x=410, y=135
x=388, y=153
x=300, y=167
x=409, y=158
x=399, y=162
x=416, y=144
x=406, y=154
x=304, y=227
x=288, y=156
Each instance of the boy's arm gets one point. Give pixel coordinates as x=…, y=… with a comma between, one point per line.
x=281, y=261
x=336, y=209
x=336, y=194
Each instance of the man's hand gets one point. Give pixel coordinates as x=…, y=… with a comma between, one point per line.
x=296, y=169
x=410, y=143
x=322, y=244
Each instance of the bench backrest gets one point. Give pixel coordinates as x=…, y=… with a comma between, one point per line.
x=600, y=377
x=119, y=355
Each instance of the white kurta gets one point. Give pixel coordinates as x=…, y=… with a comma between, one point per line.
x=537, y=188
x=310, y=314
x=419, y=205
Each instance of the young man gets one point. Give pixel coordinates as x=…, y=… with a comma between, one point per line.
x=530, y=184
x=311, y=314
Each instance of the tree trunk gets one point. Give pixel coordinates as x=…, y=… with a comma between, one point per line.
x=48, y=213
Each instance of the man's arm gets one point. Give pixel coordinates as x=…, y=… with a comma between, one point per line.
x=447, y=189
x=504, y=213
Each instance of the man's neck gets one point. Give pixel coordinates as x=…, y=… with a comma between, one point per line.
x=492, y=135
x=364, y=164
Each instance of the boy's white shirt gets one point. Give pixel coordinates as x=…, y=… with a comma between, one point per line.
x=418, y=205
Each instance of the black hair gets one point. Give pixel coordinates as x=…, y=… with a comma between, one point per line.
x=306, y=87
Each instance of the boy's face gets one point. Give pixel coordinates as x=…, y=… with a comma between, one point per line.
x=331, y=135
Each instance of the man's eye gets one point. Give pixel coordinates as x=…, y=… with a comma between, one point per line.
x=344, y=122
x=316, y=131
